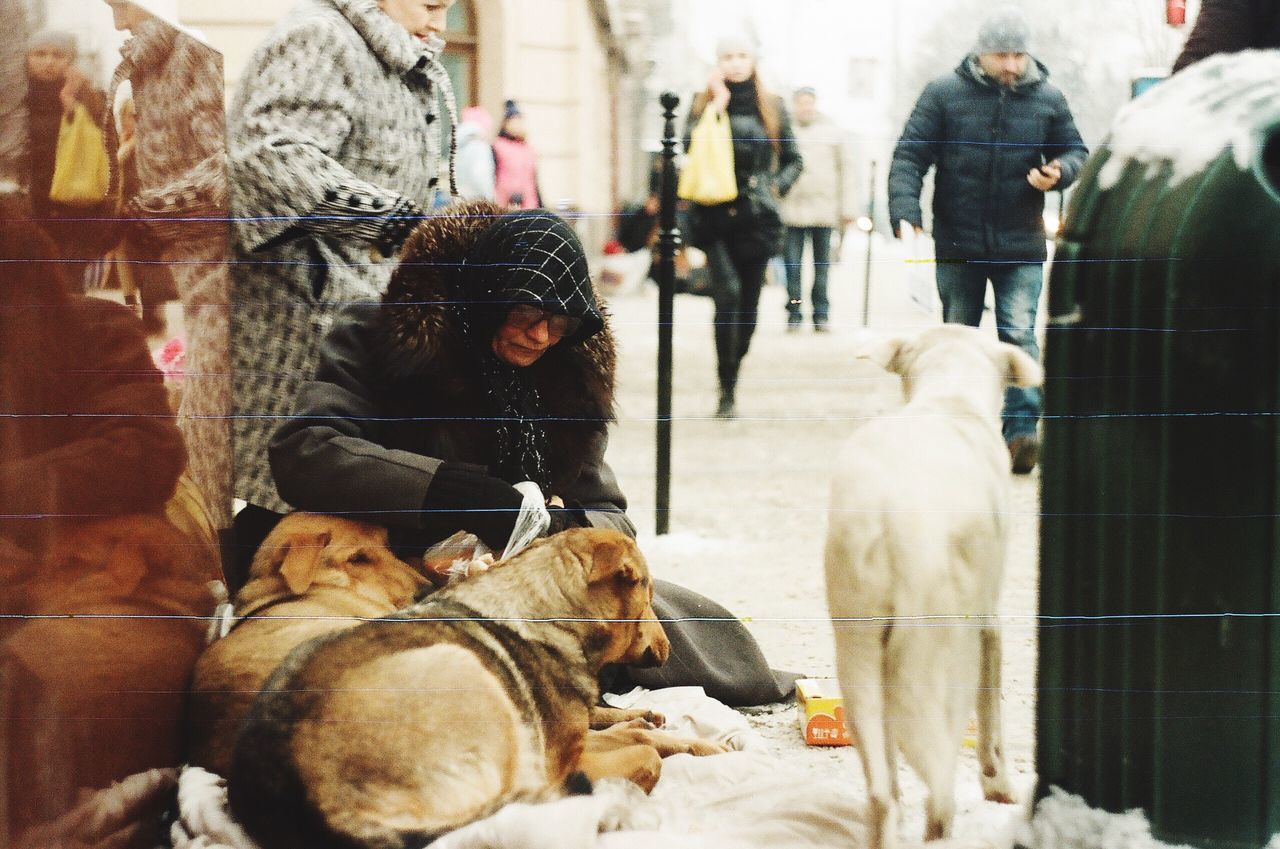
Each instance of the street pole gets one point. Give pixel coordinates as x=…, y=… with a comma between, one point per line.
x=668, y=243
x=871, y=216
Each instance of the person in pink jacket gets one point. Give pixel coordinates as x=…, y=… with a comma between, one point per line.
x=516, y=174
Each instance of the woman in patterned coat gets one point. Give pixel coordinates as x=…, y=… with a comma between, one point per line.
x=179, y=214
x=335, y=150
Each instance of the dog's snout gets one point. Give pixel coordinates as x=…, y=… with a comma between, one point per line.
x=650, y=659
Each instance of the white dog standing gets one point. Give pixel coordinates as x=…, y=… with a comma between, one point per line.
x=914, y=557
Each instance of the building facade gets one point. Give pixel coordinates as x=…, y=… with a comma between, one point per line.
x=561, y=60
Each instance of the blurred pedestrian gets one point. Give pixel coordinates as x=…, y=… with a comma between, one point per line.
x=740, y=236
x=335, y=147
x=1000, y=136
x=1229, y=26
x=14, y=163
x=55, y=88
x=178, y=215
x=476, y=161
x=819, y=204
x=104, y=596
x=516, y=174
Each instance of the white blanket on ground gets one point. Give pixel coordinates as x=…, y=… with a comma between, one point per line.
x=740, y=800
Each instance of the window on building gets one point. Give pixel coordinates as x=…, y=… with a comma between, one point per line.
x=460, y=53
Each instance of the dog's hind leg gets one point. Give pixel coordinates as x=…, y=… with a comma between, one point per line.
x=994, y=775
x=860, y=650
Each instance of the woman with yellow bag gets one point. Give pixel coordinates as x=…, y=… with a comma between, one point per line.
x=741, y=159
x=68, y=186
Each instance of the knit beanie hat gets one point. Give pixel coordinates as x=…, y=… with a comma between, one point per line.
x=1005, y=30
x=60, y=40
x=735, y=43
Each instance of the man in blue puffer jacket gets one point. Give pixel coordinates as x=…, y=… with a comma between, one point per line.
x=1000, y=136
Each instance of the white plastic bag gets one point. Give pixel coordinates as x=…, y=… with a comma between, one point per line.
x=533, y=521
x=921, y=278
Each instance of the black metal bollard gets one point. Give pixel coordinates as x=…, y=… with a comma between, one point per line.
x=668, y=244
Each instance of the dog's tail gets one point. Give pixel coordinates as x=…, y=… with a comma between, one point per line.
x=577, y=784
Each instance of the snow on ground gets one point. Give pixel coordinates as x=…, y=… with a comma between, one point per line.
x=749, y=504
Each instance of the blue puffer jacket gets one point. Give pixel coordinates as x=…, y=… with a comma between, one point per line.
x=984, y=138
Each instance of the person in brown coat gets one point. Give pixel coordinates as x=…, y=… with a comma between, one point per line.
x=102, y=597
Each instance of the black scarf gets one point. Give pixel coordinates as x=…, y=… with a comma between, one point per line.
x=530, y=257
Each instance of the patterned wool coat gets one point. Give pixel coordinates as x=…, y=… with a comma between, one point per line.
x=334, y=142
x=181, y=206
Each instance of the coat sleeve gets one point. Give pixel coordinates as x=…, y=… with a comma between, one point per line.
x=790, y=162
x=916, y=152
x=1222, y=26
x=596, y=494
x=1064, y=144
x=200, y=190
x=329, y=458
x=295, y=116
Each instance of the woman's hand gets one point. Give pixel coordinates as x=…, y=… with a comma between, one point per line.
x=719, y=91
x=555, y=501
x=71, y=85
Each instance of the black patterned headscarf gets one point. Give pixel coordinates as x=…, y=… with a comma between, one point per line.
x=525, y=257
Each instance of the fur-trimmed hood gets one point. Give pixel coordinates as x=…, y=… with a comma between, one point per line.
x=421, y=337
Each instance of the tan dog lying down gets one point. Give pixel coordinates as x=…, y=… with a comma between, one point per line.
x=916, y=545
x=313, y=575
x=398, y=731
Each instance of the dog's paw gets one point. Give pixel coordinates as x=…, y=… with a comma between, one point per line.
x=702, y=748
x=997, y=788
x=655, y=719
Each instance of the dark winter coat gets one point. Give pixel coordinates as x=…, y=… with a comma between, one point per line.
x=1228, y=26
x=397, y=394
x=763, y=176
x=984, y=138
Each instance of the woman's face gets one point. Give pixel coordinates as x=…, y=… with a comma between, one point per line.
x=125, y=15
x=737, y=66
x=47, y=64
x=421, y=18
x=529, y=332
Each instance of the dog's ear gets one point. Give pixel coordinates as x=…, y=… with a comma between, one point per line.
x=301, y=561
x=609, y=559
x=1018, y=366
x=885, y=352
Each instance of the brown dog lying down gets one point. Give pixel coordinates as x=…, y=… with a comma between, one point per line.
x=313, y=575
x=395, y=732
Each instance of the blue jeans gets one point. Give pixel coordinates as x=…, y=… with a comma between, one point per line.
x=963, y=287
x=794, y=255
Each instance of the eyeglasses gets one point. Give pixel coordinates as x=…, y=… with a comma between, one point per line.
x=525, y=316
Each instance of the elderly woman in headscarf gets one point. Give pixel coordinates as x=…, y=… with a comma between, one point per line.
x=489, y=363
x=335, y=151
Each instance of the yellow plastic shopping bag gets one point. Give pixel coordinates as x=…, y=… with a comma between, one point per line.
x=80, y=169
x=707, y=177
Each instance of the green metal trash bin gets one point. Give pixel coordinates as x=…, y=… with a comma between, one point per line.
x=1159, y=671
